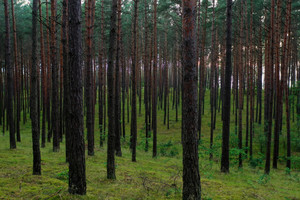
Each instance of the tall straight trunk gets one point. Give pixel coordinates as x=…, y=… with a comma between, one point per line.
x=123, y=87
x=111, y=97
x=76, y=156
x=139, y=68
x=43, y=66
x=284, y=67
x=9, y=80
x=55, y=95
x=154, y=93
x=146, y=73
x=240, y=84
x=198, y=53
x=212, y=82
x=166, y=81
x=89, y=80
x=134, y=85
x=102, y=75
x=278, y=87
x=117, y=85
x=191, y=176
x=48, y=94
x=269, y=90
x=251, y=73
x=16, y=62
x=259, y=78
x=34, y=96
x=202, y=71
x=66, y=77
x=227, y=93
x=61, y=121
x=100, y=91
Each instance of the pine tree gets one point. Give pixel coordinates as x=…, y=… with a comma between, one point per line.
x=191, y=176
x=34, y=95
x=76, y=156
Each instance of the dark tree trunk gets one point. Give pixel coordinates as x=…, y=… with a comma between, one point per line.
x=259, y=78
x=269, y=90
x=146, y=73
x=227, y=93
x=48, y=95
x=117, y=86
x=285, y=61
x=134, y=85
x=16, y=86
x=55, y=94
x=101, y=77
x=89, y=80
x=191, y=176
x=34, y=95
x=66, y=77
x=77, y=177
x=202, y=71
x=212, y=82
x=43, y=87
x=123, y=88
x=111, y=96
x=9, y=81
x=154, y=94
x=240, y=85
x=278, y=87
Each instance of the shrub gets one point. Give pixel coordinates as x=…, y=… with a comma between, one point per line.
x=168, y=149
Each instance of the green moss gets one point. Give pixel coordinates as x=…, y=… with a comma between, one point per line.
x=148, y=178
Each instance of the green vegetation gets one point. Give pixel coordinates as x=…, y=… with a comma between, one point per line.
x=148, y=178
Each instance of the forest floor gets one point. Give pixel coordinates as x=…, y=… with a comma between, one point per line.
x=148, y=178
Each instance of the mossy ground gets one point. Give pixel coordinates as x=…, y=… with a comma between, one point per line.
x=148, y=178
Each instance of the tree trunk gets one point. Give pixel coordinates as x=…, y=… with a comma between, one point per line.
x=227, y=93
x=154, y=93
x=48, y=95
x=77, y=176
x=55, y=95
x=134, y=85
x=34, y=96
x=117, y=85
x=43, y=66
x=66, y=77
x=9, y=81
x=191, y=176
x=17, y=92
x=240, y=84
x=111, y=98
x=89, y=80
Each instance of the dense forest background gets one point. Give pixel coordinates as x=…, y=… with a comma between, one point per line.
x=136, y=99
